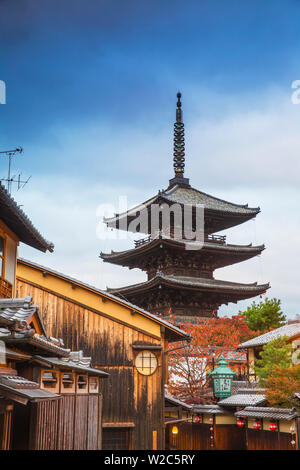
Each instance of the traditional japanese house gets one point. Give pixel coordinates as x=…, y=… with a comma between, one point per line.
x=124, y=340
x=254, y=346
x=181, y=279
x=267, y=428
x=50, y=397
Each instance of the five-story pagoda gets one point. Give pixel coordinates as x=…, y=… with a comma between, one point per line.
x=182, y=280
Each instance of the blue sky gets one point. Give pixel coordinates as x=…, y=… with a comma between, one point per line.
x=91, y=93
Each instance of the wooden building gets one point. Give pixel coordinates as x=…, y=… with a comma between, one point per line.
x=254, y=346
x=50, y=397
x=267, y=428
x=125, y=341
x=181, y=272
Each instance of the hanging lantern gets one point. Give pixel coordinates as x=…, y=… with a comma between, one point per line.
x=174, y=430
x=257, y=424
x=197, y=419
x=273, y=426
x=222, y=378
x=240, y=422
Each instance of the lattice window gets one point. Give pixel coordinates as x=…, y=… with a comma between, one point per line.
x=146, y=362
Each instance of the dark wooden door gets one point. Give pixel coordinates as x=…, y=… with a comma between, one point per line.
x=229, y=437
x=115, y=439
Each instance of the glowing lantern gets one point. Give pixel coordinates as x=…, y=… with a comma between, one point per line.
x=174, y=430
x=273, y=426
x=257, y=424
x=240, y=422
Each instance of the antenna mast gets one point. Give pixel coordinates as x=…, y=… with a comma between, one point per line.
x=9, y=179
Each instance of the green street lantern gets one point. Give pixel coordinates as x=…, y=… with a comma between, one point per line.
x=222, y=378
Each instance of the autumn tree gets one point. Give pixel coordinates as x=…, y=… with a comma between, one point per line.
x=264, y=315
x=276, y=352
x=281, y=386
x=209, y=340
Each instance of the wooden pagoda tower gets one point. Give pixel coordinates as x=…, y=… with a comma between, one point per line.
x=182, y=281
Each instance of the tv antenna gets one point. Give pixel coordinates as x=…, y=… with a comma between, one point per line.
x=11, y=179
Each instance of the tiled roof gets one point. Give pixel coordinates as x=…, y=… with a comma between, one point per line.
x=17, y=382
x=74, y=361
x=210, y=409
x=196, y=282
x=14, y=327
x=191, y=196
x=14, y=217
x=177, y=402
x=226, y=247
x=268, y=412
x=12, y=386
x=18, y=309
x=290, y=330
x=244, y=397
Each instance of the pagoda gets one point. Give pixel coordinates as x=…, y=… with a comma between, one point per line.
x=181, y=281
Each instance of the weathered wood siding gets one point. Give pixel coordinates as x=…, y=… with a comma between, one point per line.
x=191, y=436
x=43, y=425
x=128, y=397
x=269, y=440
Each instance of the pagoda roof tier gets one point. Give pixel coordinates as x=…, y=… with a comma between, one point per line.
x=221, y=253
x=218, y=213
x=234, y=291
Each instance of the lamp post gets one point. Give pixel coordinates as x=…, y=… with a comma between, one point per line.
x=222, y=379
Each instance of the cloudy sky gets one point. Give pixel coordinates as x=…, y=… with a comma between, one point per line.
x=91, y=93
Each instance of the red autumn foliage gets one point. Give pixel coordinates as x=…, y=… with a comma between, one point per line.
x=210, y=340
x=281, y=385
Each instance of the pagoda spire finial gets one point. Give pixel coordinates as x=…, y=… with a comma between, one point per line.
x=179, y=141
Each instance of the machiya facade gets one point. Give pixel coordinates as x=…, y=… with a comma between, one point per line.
x=182, y=281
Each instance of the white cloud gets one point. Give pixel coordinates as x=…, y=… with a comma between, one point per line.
x=244, y=157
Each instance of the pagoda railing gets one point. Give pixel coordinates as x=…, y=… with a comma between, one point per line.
x=5, y=289
x=219, y=239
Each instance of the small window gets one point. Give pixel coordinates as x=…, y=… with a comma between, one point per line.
x=82, y=384
x=67, y=382
x=49, y=380
x=146, y=362
x=93, y=385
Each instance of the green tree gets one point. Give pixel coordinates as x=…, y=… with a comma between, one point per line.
x=264, y=316
x=277, y=352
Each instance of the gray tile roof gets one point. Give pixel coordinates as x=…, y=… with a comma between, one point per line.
x=246, y=397
x=18, y=309
x=177, y=402
x=290, y=330
x=268, y=413
x=226, y=247
x=14, y=328
x=12, y=385
x=74, y=361
x=191, y=196
x=14, y=217
x=203, y=283
x=210, y=409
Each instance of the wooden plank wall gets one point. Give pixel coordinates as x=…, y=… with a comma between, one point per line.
x=70, y=423
x=127, y=395
x=268, y=440
x=191, y=436
x=229, y=437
